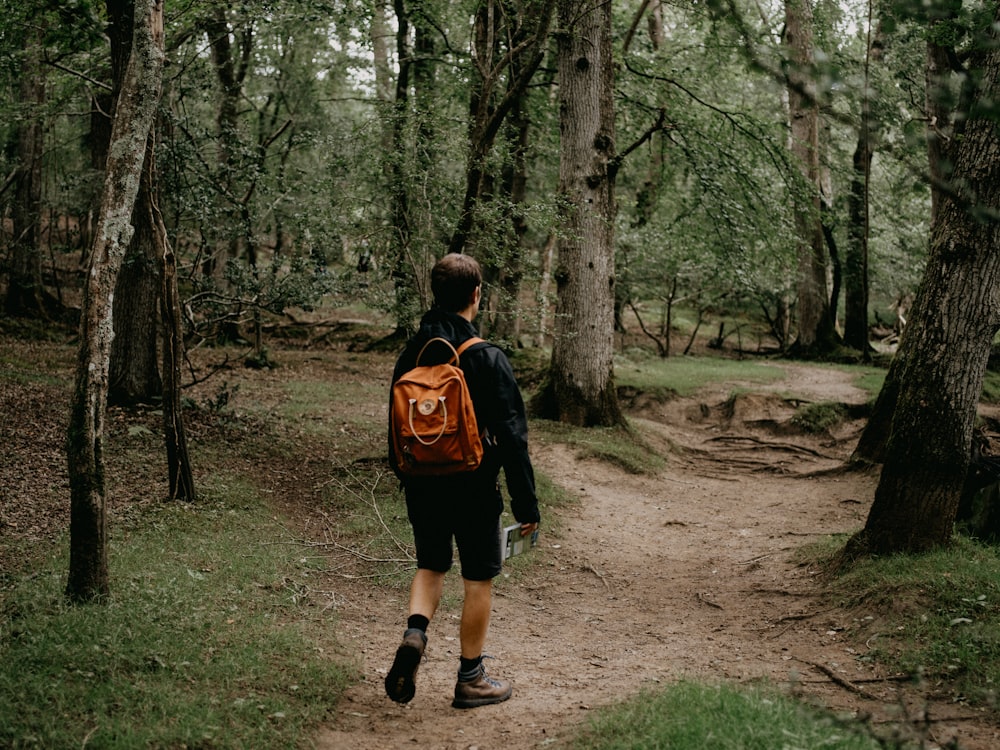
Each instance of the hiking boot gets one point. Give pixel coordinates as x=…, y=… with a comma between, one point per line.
x=400, y=683
x=482, y=691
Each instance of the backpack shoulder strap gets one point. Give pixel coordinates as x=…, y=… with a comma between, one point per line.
x=454, y=354
x=469, y=342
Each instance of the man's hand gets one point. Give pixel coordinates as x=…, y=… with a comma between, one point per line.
x=528, y=528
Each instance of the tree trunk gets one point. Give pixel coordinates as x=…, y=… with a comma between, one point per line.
x=944, y=127
x=134, y=113
x=856, y=255
x=514, y=182
x=25, y=293
x=134, y=377
x=581, y=390
x=406, y=301
x=948, y=341
x=815, y=326
x=180, y=476
x=231, y=67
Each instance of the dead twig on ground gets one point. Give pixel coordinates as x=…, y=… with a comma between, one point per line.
x=597, y=573
x=842, y=682
x=369, y=499
x=705, y=600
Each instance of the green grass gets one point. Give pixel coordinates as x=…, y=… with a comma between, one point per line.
x=208, y=639
x=686, y=375
x=623, y=448
x=991, y=388
x=718, y=717
x=935, y=615
x=869, y=379
x=818, y=417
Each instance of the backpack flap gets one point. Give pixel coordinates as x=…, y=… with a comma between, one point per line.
x=433, y=422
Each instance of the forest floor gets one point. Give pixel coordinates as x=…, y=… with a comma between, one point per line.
x=690, y=571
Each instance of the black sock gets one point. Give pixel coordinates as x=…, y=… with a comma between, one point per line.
x=418, y=621
x=469, y=668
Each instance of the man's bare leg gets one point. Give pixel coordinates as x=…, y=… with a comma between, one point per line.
x=474, y=686
x=425, y=592
x=475, y=617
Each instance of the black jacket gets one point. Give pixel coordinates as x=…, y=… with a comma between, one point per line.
x=496, y=399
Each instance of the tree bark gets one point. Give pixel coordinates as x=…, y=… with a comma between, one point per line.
x=134, y=113
x=581, y=387
x=815, y=326
x=944, y=127
x=947, y=346
x=179, y=473
x=134, y=377
x=231, y=66
x=404, y=271
x=856, y=254
x=514, y=183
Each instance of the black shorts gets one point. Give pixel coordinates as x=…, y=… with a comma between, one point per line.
x=444, y=509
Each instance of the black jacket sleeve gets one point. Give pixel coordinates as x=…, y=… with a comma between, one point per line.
x=500, y=411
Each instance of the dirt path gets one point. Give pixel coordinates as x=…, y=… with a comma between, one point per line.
x=688, y=573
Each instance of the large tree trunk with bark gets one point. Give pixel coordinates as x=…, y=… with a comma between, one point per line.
x=581, y=386
x=815, y=325
x=944, y=127
x=948, y=342
x=136, y=108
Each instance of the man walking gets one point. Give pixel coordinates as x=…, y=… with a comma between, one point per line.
x=464, y=507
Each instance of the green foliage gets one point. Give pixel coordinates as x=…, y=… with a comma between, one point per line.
x=721, y=717
x=206, y=641
x=319, y=171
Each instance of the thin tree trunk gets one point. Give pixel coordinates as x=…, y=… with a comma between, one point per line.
x=856, y=255
x=514, y=181
x=231, y=66
x=134, y=113
x=25, y=293
x=180, y=476
x=406, y=301
x=134, y=376
x=525, y=33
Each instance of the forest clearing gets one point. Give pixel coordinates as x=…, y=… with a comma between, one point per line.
x=691, y=570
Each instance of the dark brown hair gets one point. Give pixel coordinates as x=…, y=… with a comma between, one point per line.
x=454, y=278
